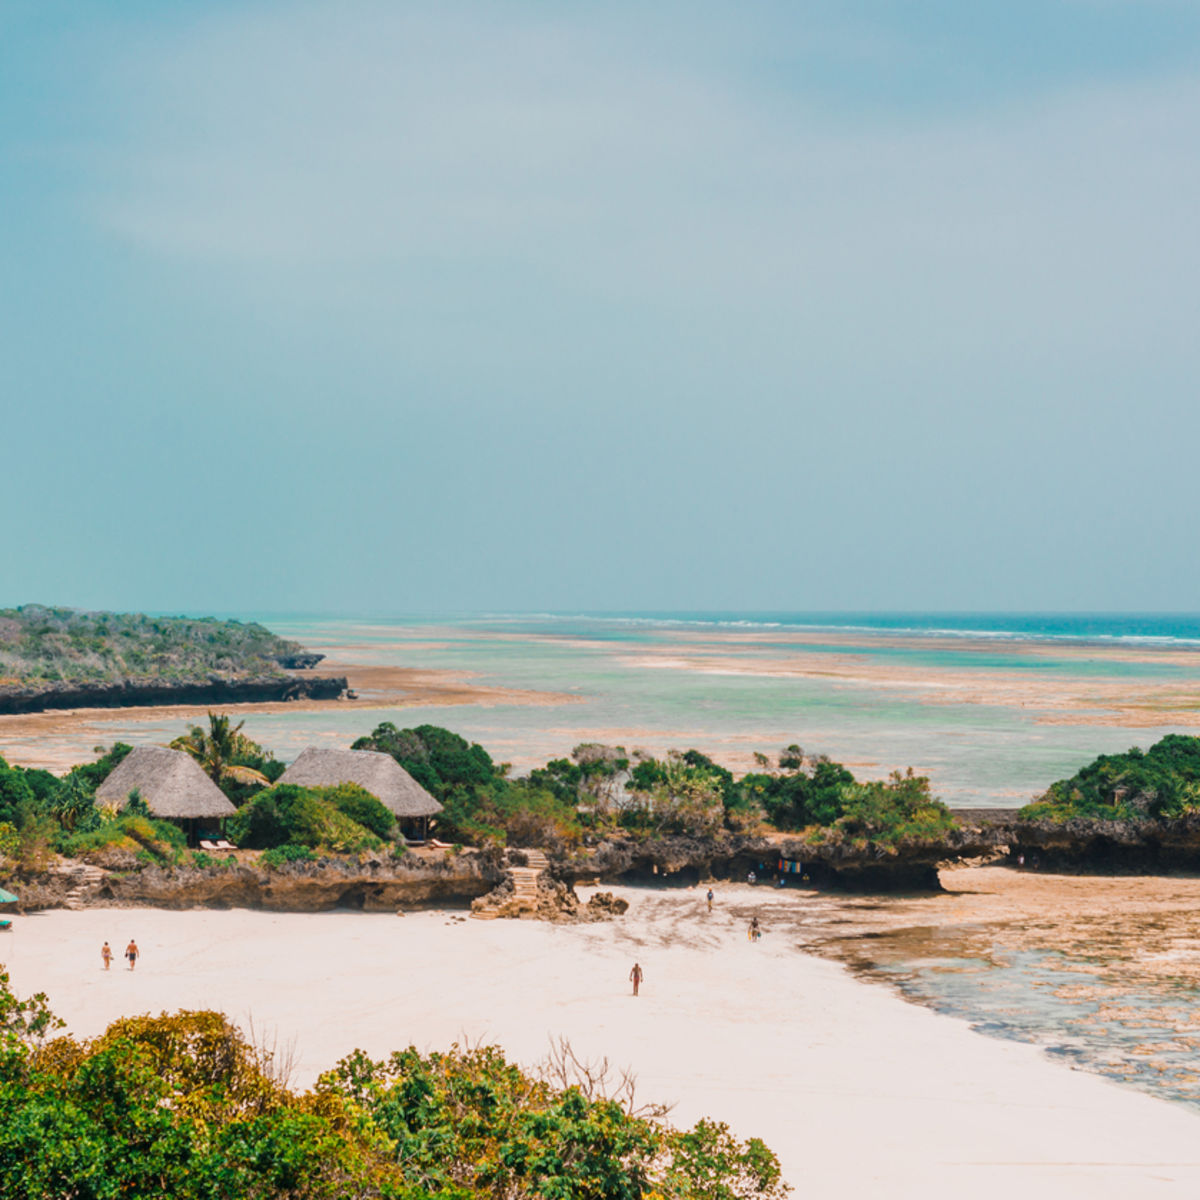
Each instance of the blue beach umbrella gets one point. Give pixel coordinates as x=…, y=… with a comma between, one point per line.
x=7, y=897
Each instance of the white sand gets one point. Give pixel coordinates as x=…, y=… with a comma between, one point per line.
x=860, y=1093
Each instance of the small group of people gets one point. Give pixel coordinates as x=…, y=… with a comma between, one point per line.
x=637, y=975
x=780, y=877
x=131, y=953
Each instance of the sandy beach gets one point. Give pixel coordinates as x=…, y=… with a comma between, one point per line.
x=859, y=1092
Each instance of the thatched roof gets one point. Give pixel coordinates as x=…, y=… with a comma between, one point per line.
x=171, y=783
x=380, y=774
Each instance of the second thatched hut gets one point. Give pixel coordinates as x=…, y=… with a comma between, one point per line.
x=375, y=772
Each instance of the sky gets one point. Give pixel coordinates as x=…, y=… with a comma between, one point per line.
x=384, y=307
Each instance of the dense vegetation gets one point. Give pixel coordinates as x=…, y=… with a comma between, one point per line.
x=183, y=1106
x=604, y=789
x=1163, y=781
x=40, y=645
x=482, y=803
x=598, y=792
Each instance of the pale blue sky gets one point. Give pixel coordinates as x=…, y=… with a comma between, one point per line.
x=368, y=306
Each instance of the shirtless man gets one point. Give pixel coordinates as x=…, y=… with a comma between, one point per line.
x=636, y=977
x=131, y=953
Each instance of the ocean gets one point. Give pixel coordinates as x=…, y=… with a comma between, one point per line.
x=992, y=706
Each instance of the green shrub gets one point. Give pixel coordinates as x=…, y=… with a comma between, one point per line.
x=275, y=858
x=360, y=806
x=802, y=792
x=288, y=814
x=161, y=840
x=900, y=808
x=16, y=796
x=436, y=758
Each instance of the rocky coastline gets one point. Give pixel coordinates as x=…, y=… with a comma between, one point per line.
x=362, y=883
x=137, y=693
x=484, y=879
x=1094, y=846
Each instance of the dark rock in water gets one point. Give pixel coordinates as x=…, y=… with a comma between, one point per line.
x=215, y=690
x=299, y=662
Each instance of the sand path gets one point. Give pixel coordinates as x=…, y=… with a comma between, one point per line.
x=860, y=1093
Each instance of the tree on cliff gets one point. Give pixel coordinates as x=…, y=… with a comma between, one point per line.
x=1163, y=781
x=805, y=790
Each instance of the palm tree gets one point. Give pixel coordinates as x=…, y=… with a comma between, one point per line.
x=215, y=747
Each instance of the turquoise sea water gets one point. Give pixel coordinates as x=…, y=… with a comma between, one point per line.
x=879, y=691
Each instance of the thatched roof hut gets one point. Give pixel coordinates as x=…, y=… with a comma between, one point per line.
x=380, y=774
x=169, y=781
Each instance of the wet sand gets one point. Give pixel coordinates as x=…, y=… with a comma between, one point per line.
x=860, y=1093
x=1102, y=970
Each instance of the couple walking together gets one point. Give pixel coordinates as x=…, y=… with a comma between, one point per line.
x=131, y=953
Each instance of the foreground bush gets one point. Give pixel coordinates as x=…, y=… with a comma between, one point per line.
x=183, y=1106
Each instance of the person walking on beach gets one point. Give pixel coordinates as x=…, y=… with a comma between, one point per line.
x=709, y=898
x=106, y=955
x=131, y=953
x=753, y=933
x=636, y=977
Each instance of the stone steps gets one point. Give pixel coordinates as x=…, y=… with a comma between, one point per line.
x=80, y=877
x=524, y=883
